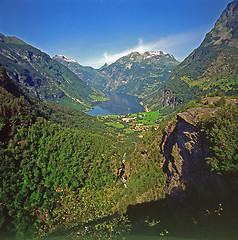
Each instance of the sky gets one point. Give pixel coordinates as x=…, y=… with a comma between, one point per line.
x=94, y=32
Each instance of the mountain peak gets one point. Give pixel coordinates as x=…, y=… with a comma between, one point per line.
x=138, y=57
x=62, y=57
x=9, y=39
x=133, y=54
x=229, y=12
x=155, y=52
x=226, y=27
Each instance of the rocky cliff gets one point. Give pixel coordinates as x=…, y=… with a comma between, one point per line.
x=185, y=148
x=197, y=200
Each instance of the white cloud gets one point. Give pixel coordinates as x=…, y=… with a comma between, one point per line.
x=179, y=45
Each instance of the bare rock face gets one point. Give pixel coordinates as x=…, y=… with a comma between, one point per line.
x=185, y=149
x=168, y=99
x=193, y=115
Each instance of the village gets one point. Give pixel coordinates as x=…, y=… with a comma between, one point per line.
x=130, y=123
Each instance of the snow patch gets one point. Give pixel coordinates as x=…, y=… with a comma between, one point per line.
x=66, y=59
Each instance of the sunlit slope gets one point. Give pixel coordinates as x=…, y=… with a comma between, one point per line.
x=42, y=77
x=212, y=66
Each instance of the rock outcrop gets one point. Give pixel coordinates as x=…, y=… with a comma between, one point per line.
x=185, y=149
x=197, y=200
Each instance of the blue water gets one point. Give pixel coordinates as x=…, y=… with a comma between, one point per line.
x=119, y=104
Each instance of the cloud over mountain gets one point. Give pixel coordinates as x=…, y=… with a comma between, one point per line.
x=171, y=44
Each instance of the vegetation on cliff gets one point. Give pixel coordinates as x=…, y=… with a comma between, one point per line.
x=222, y=133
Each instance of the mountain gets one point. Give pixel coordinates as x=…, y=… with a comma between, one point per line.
x=210, y=67
x=36, y=73
x=135, y=74
x=139, y=73
x=88, y=74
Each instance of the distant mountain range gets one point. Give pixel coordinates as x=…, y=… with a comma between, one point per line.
x=139, y=74
x=64, y=81
x=39, y=75
x=212, y=66
x=136, y=74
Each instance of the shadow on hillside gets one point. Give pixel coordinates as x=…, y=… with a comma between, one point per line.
x=187, y=216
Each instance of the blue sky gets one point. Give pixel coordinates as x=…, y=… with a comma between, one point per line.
x=97, y=31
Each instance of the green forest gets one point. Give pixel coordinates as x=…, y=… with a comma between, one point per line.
x=59, y=167
x=44, y=152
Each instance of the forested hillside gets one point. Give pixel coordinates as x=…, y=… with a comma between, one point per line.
x=59, y=170
x=46, y=152
x=44, y=78
x=210, y=67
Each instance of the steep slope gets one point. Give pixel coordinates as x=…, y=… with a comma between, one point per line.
x=198, y=154
x=16, y=103
x=212, y=66
x=187, y=145
x=49, y=154
x=43, y=77
x=8, y=85
x=139, y=74
x=88, y=74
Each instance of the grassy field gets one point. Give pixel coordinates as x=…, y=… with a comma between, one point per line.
x=147, y=118
x=131, y=123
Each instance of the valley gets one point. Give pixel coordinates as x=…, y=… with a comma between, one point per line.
x=157, y=157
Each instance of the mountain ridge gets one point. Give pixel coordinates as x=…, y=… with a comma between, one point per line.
x=88, y=74
x=137, y=73
x=210, y=67
x=36, y=73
